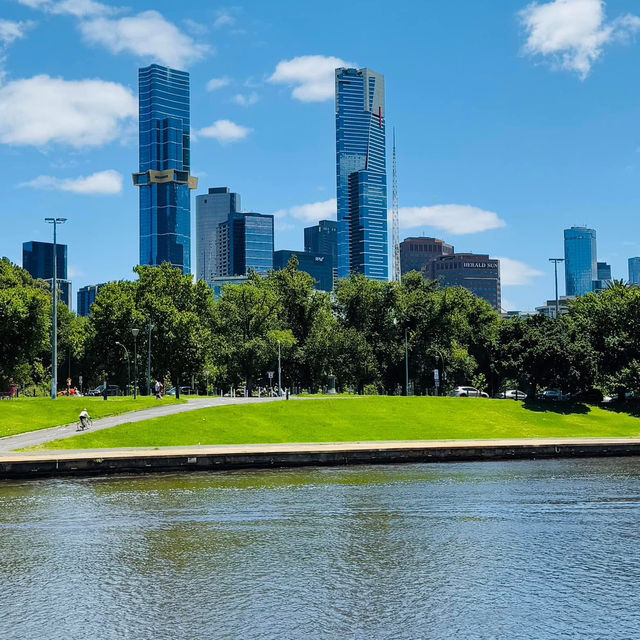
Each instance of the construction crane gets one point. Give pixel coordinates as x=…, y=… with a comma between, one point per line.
x=395, y=221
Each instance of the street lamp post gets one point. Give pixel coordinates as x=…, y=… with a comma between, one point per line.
x=128, y=366
x=206, y=373
x=279, y=372
x=441, y=358
x=135, y=363
x=555, y=268
x=406, y=361
x=149, y=329
x=54, y=291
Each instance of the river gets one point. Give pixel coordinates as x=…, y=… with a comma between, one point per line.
x=547, y=549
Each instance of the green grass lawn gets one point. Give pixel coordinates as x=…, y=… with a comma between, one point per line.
x=30, y=414
x=358, y=419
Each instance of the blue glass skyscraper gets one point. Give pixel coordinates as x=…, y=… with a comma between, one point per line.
x=361, y=174
x=245, y=243
x=163, y=178
x=634, y=271
x=580, y=263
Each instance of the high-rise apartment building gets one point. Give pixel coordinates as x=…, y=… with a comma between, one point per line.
x=580, y=262
x=361, y=174
x=86, y=296
x=37, y=259
x=634, y=271
x=322, y=238
x=212, y=209
x=163, y=178
x=245, y=242
x=476, y=272
x=417, y=253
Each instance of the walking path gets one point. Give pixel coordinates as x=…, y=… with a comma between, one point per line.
x=42, y=436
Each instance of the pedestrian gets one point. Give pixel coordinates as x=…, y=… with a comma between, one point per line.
x=156, y=389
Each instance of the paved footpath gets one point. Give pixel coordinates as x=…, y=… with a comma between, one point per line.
x=42, y=436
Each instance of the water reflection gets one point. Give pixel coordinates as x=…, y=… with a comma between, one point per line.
x=492, y=550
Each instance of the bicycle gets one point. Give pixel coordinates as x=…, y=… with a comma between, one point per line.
x=80, y=426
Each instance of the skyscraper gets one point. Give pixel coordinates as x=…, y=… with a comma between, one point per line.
x=322, y=238
x=212, y=209
x=417, y=253
x=86, y=296
x=361, y=173
x=245, y=242
x=163, y=178
x=37, y=259
x=580, y=263
x=604, y=276
x=318, y=265
x=634, y=271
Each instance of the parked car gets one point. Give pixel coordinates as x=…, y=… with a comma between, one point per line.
x=112, y=390
x=590, y=396
x=553, y=395
x=467, y=392
x=512, y=394
x=184, y=391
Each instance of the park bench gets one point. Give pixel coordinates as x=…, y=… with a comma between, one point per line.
x=6, y=395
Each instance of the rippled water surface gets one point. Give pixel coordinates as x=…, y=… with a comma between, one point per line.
x=486, y=550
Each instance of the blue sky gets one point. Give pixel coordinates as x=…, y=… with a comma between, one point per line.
x=514, y=120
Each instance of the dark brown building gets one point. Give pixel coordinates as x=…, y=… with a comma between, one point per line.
x=417, y=253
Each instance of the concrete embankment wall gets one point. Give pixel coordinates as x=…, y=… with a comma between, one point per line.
x=217, y=458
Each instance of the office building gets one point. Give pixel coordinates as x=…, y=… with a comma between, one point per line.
x=361, y=174
x=86, y=296
x=218, y=284
x=322, y=238
x=580, y=264
x=163, y=178
x=37, y=259
x=634, y=271
x=245, y=243
x=417, y=253
x=318, y=265
x=549, y=309
x=212, y=209
x=476, y=272
x=603, y=271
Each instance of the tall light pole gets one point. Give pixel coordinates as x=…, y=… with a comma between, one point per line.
x=149, y=328
x=555, y=268
x=54, y=290
x=135, y=363
x=279, y=372
x=406, y=361
x=128, y=366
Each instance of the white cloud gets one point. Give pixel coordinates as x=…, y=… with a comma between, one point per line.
x=147, y=35
x=107, y=182
x=312, y=212
x=77, y=8
x=217, y=83
x=516, y=273
x=246, y=100
x=81, y=113
x=573, y=32
x=225, y=131
x=312, y=76
x=457, y=219
x=224, y=19
x=11, y=31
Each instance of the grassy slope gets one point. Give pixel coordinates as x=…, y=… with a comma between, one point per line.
x=357, y=419
x=30, y=414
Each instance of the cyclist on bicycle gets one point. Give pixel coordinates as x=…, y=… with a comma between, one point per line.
x=84, y=419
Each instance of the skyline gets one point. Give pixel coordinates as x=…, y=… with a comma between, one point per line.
x=525, y=149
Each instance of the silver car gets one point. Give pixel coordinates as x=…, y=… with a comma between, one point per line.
x=467, y=392
x=513, y=394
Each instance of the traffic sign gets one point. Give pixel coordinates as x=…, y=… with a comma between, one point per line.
x=270, y=374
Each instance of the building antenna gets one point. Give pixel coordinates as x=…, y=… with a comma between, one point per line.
x=395, y=221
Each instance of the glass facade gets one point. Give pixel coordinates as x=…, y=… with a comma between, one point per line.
x=212, y=209
x=361, y=174
x=634, y=271
x=86, y=296
x=245, y=243
x=163, y=178
x=322, y=238
x=580, y=266
x=604, y=276
x=318, y=265
x=37, y=259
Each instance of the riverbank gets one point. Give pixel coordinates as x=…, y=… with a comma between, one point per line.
x=219, y=458
x=362, y=419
